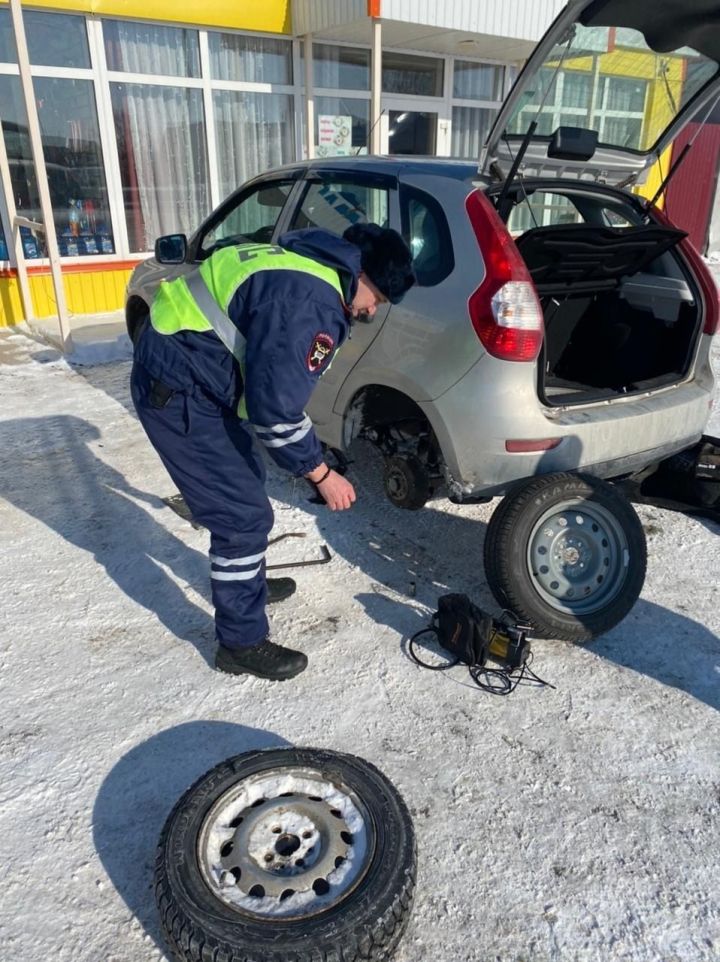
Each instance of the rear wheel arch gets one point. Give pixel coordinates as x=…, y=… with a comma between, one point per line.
x=379, y=406
x=401, y=430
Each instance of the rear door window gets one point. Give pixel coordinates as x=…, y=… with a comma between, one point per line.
x=335, y=205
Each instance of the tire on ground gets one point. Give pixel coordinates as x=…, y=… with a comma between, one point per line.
x=612, y=544
x=364, y=922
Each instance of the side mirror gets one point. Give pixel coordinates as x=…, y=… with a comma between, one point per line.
x=171, y=249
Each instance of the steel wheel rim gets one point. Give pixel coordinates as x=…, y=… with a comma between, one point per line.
x=285, y=843
x=578, y=556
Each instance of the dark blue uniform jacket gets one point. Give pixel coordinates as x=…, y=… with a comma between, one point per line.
x=293, y=323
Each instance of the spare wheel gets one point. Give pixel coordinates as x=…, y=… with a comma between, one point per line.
x=566, y=554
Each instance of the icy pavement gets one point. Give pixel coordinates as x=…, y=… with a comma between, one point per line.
x=570, y=825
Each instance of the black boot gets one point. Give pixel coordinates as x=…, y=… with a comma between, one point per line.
x=265, y=660
x=279, y=589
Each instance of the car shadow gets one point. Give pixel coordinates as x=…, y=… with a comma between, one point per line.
x=139, y=792
x=671, y=648
x=418, y=554
x=58, y=478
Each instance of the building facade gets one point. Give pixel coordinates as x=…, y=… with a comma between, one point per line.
x=150, y=113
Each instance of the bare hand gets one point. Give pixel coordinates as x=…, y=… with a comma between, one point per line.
x=337, y=492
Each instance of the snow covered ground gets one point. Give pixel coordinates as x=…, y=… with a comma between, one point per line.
x=569, y=825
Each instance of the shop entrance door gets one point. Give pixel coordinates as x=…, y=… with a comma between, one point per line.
x=410, y=129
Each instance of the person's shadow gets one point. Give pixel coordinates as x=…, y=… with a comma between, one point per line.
x=58, y=478
x=139, y=792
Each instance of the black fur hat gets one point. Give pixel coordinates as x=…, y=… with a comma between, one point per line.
x=385, y=258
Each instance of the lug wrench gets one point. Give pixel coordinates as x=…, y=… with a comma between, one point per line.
x=325, y=555
x=178, y=505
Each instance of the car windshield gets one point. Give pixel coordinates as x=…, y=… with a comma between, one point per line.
x=609, y=80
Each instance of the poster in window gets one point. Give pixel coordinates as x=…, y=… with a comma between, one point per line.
x=334, y=135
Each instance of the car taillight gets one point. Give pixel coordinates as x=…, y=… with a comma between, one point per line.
x=701, y=273
x=504, y=310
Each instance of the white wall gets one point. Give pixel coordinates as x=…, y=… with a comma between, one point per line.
x=521, y=19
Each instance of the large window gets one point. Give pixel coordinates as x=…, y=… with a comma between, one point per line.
x=19, y=154
x=470, y=127
x=250, y=59
x=341, y=68
x=160, y=135
x=151, y=49
x=477, y=81
x=254, y=132
x=54, y=40
x=477, y=93
x=70, y=133
x=409, y=74
x=73, y=162
x=7, y=40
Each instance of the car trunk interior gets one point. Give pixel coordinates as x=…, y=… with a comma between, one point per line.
x=620, y=315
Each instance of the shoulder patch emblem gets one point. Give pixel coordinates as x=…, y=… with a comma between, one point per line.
x=321, y=349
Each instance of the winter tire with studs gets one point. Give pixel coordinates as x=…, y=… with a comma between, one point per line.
x=287, y=854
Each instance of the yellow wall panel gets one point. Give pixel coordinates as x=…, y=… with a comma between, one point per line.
x=86, y=292
x=11, y=311
x=43, y=294
x=268, y=16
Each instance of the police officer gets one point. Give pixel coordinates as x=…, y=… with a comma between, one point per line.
x=236, y=347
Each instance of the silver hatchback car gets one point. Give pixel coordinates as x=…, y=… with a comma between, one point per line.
x=560, y=330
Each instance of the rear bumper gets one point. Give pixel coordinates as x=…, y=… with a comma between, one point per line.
x=474, y=419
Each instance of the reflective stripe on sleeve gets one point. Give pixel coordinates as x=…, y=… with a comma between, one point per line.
x=281, y=428
x=299, y=429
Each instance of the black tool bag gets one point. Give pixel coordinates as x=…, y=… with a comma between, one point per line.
x=463, y=629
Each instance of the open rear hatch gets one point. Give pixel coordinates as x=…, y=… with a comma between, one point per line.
x=604, y=94
x=608, y=88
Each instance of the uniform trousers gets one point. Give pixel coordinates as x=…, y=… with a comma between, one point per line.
x=210, y=455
